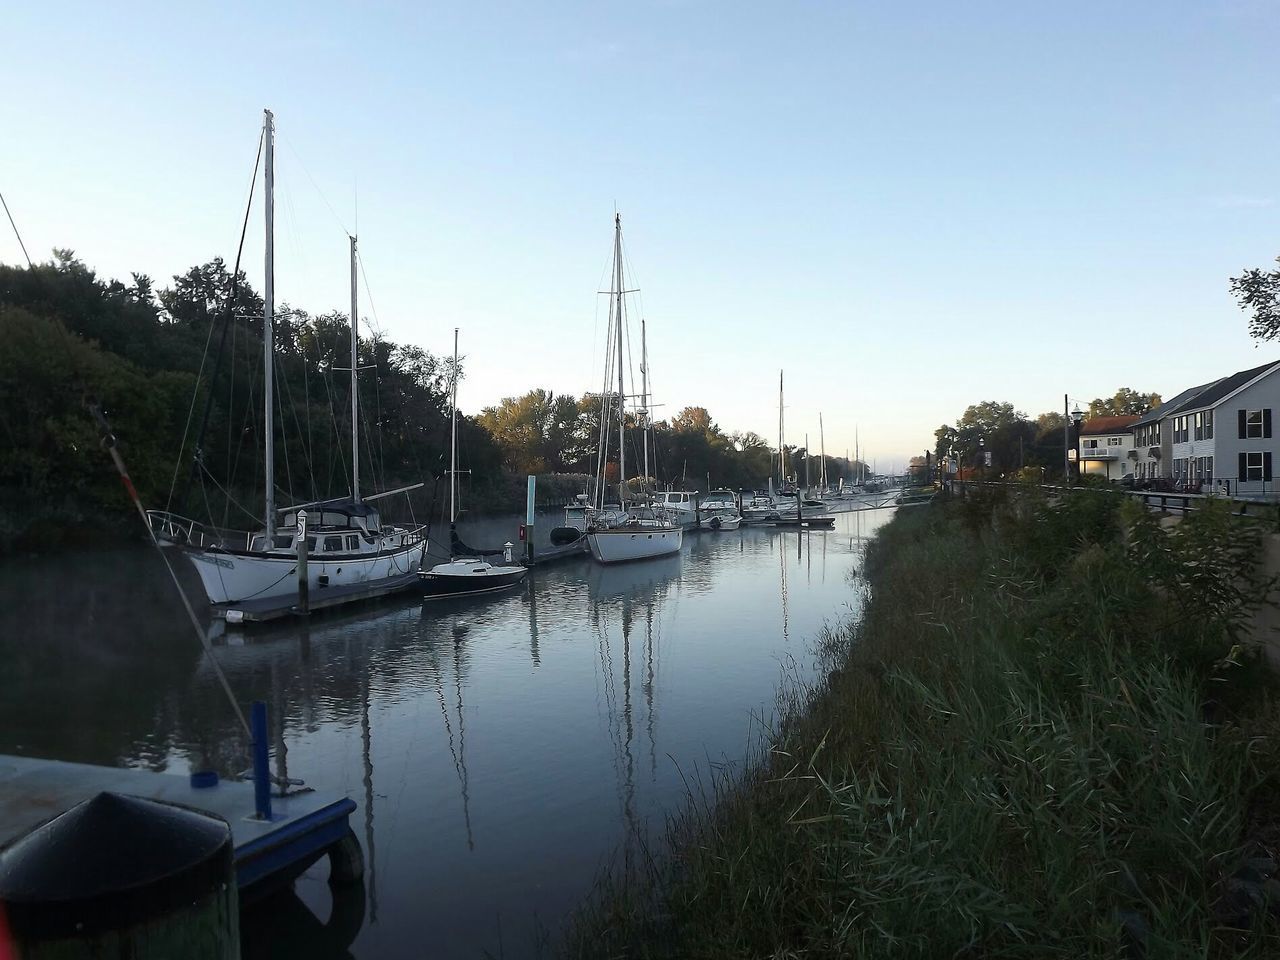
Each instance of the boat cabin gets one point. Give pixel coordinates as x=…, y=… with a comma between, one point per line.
x=343, y=526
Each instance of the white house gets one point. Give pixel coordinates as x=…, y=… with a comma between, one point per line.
x=1105, y=444
x=1218, y=435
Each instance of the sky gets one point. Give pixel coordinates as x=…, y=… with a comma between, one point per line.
x=907, y=207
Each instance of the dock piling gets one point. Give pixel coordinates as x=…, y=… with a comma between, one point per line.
x=528, y=519
x=304, y=583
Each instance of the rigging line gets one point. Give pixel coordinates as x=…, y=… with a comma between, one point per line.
x=288, y=470
x=186, y=427
x=293, y=407
x=304, y=169
x=30, y=266
x=229, y=319
x=229, y=499
x=333, y=422
x=368, y=295
x=109, y=442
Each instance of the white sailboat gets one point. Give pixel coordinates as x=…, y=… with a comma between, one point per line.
x=639, y=532
x=346, y=541
x=466, y=572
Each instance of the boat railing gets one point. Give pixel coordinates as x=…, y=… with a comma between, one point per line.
x=176, y=529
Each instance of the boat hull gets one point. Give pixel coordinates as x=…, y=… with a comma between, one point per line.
x=230, y=577
x=437, y=586
x=627, y=544
x=721, y=523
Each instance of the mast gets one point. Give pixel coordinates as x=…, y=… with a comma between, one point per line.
x=622, y=445
x=808, y=486
x=453, y=442
x=644, y=397
x=782, y=449
x=268, y=318
x=355, y=392
x=822, y=448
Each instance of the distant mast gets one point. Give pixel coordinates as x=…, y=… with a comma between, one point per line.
x=355, y=379
x=622, y=438
x=822, y=448
x=268, y=318
x=453, y=440
x=644, y=398
x=782, y=443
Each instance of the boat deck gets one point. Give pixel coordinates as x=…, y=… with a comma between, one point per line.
x=273, y=608
x=302, y=826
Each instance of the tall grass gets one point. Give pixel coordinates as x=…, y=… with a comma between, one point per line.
x=1041, y=740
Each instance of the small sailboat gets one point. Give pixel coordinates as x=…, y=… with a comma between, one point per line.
x=466, y=573
x=346, y=541
x=632, y=532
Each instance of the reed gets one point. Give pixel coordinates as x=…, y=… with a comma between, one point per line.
x=1046, y=736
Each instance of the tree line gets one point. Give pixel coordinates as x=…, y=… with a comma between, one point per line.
x=178, y=371
x=1016, y=441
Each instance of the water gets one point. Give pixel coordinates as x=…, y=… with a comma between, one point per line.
x=500, y=749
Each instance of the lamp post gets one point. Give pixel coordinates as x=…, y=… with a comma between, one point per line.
x=1077, y=416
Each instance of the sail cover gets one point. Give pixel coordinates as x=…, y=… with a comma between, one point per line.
x=460, y=549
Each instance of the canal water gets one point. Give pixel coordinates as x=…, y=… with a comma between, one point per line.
x=501, y=750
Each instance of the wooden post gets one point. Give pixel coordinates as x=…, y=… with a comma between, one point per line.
x=261, y=762
x=528, y=518
x=304, y=582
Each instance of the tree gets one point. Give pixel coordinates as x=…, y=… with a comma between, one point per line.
x=534, y=430
x=1126, y=402
x=1258, y=293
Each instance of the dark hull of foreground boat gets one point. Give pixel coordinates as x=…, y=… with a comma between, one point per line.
x=435, y=587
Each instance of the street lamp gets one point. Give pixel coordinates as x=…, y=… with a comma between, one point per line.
x=1077, y=416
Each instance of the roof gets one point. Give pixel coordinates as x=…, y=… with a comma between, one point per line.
x=1229, y=385
x=1173, y=405
x=1096, y=426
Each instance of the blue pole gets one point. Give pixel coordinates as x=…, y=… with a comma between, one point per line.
x=261, y=762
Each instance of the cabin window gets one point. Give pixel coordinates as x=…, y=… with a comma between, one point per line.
x=311, y=544
x=284, y=541
x=332, y=544
x=353, y=542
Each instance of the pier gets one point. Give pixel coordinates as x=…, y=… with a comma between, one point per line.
x=302, y=828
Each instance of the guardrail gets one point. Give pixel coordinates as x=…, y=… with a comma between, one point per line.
x=1178, y=504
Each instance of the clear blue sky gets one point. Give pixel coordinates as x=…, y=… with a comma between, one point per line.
x=910, y=207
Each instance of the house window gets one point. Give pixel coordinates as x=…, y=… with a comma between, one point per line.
x=1253, y=465
x=1253, y=428
x=1157, y=435
x=1199, y=426
x=1208, y=426
x=1113, y=441
x=1090, y=444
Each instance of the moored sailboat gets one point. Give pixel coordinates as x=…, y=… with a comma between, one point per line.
x=639, y=532
x=466, y=572
x=345, y=540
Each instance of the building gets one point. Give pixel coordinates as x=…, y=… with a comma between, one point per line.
x=1105, y=446
x=1216, y=436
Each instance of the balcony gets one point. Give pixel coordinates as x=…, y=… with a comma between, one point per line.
x=1101, y=453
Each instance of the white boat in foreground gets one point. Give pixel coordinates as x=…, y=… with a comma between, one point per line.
x=637, y=539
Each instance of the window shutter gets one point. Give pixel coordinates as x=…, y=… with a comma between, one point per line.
x=1266, y=465
x=1266, y=423
x=1243, y=468
x=1242, y=416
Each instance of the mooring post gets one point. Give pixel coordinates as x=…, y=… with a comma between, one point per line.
x=261, y=762
x=528, y=519
x=304, y=584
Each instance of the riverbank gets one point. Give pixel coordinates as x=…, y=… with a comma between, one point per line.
x=1047, y=736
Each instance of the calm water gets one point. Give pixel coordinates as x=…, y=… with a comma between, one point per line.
x=501, y=749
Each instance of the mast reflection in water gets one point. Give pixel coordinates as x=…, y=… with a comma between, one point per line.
x=501, y=750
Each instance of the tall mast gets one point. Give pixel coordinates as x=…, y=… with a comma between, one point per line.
x=355, y=380
x=822, y=448
x=268, y=318
x=617, y=267
x=807, y=484
x=644, y=396
x=453, y=443
x=782, y=449
x=857, y=454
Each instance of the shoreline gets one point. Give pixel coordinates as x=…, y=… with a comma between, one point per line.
x=1049, y=734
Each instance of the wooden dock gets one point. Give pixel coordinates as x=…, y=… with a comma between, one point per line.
x=552, y=554
x=303, y=826
x=809, y=523
x=322, y=598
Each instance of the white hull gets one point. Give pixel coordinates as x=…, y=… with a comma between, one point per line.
x=721, y=523
x=634, y=543
x=235, y=577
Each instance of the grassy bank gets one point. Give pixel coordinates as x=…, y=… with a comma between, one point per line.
x=1046, y=737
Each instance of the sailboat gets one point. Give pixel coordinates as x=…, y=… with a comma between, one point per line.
x=347, y=543
x=638, y=532
x=466, y=572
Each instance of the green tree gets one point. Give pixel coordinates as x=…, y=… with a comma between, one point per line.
x=1125, y=402
x=1258, y=293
